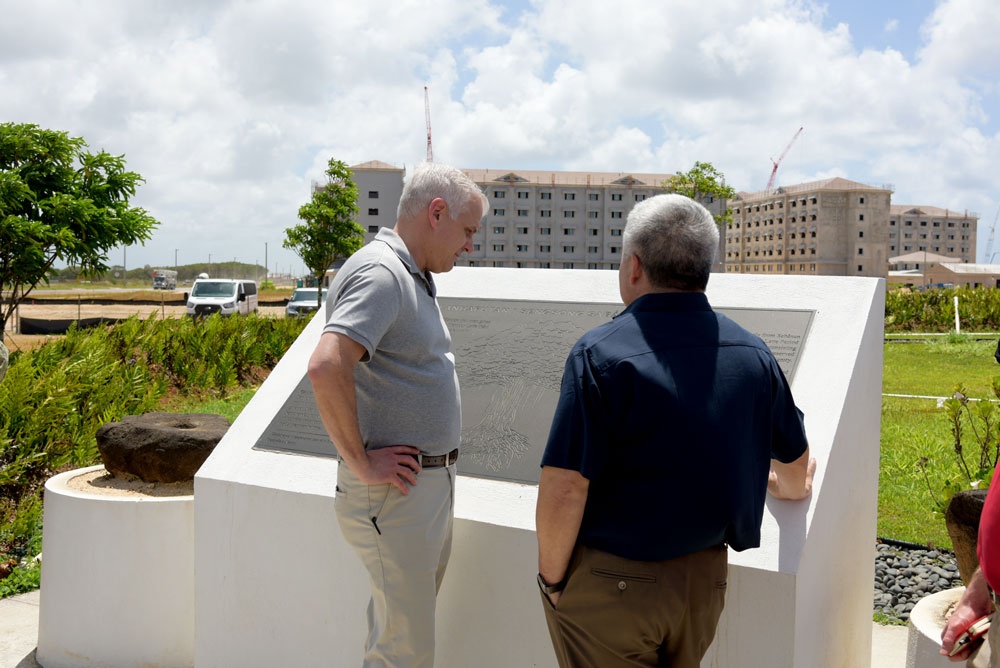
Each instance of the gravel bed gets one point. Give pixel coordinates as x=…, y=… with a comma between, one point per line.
x=905, y=573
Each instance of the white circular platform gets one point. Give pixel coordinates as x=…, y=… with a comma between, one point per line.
x=117, y=577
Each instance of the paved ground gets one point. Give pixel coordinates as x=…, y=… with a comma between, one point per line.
x=19, y=631
x=19, y=636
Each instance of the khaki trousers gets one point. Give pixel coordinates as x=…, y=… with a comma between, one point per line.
x=616, y=612
x=404, y=543
x=987, y=655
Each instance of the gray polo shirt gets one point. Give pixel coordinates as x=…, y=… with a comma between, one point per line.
x=407, y=388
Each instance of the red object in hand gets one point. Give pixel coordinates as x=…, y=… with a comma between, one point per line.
x=975, y=631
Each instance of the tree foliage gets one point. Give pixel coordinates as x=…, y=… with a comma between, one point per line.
x=702, y=181
x=59, y=201
x=330, y=232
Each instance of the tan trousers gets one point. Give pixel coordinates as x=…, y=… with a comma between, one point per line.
x=987, y=655
x=404, y=543
x=616, y=612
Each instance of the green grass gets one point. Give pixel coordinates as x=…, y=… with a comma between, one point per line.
x=933, y=368
x=229, y=406
x=916, y=428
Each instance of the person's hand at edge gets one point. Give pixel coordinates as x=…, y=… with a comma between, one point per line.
x=794, y=480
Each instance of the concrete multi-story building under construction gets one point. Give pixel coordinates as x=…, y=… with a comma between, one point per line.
x=838, y=227
x=574, y=220
x=913, y=229
x=543, y=219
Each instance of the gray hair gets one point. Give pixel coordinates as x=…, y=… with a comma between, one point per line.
x=676, y=238
x=431, y=180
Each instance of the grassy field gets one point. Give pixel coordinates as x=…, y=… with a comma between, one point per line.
x=916, y=428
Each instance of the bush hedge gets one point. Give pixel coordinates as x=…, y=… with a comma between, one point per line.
x=54, y=399
x=934, y=310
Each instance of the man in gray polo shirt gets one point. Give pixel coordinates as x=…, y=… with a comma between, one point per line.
x=386, y=388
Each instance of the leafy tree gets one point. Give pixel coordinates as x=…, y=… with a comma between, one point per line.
x=702, y=181
x=330, y=232
x=59, y=201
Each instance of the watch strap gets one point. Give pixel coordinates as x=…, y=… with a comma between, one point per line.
x=550, y=588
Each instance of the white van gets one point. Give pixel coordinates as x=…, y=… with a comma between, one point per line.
x=225, y=296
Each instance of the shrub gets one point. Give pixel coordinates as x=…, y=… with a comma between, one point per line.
x=975, y=444
x=54, y=398
x=934, y=310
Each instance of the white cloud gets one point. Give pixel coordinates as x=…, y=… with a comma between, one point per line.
x=961, y=39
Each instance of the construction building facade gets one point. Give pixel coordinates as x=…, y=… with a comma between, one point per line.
x=574, y=220
x=913, y=229
x=540, y=219
x=833, y=227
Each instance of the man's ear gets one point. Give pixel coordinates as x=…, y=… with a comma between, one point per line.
x=437, y=211
x=636, y=269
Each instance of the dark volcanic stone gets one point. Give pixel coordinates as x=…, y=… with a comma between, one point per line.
x=160, y=447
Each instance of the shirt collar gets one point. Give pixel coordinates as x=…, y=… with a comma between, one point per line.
x=669, y=301
x=398, y=246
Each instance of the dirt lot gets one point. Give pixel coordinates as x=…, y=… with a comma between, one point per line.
x=15, y=341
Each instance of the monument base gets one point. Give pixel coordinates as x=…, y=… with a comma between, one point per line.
x=117, y=573
x=927, y=621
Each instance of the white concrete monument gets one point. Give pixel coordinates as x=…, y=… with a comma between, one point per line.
x=276, y=584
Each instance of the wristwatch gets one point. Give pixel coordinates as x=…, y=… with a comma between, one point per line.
x=550, y=588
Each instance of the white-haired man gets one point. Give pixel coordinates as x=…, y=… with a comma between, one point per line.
x=672, y=424
x=385, y=384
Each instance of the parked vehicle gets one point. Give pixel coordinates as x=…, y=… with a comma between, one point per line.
x=164, y=279
x=302, y=302
x=222, y=295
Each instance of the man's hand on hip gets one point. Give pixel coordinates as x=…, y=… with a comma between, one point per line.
x=396, y=465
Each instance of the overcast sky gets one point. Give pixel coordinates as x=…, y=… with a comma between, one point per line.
x=229, y=109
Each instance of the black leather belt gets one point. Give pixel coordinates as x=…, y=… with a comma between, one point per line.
x=437, y=461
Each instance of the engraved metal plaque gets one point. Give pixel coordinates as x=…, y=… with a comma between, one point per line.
x=510, y=356
x=297, y=427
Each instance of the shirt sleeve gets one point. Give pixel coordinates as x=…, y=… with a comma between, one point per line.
x=577, y=438
x=788, y=441
x=366, y=306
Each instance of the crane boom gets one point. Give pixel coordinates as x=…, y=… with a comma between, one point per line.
x=427, y=117
x=774, y=170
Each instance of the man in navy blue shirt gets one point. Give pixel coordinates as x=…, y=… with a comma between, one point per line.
x=632, y=537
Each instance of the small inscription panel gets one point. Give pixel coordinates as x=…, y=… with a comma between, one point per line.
x=783, y=330
x=510, y=357
x=297, y=427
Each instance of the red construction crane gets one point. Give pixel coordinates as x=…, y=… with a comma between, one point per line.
x=774, y=171
x=427, y=116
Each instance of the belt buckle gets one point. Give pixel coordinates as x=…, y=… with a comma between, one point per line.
x=420, y=459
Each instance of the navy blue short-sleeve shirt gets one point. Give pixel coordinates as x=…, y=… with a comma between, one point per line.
x=673, y=412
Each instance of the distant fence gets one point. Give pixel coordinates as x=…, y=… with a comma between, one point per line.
x=45, y=326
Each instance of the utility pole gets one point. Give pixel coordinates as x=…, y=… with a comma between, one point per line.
x=427, y=118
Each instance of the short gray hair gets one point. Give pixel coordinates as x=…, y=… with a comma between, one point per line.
x=676, y=238
x=431, y=180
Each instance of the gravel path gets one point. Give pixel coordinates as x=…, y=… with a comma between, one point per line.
x=904, y=574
